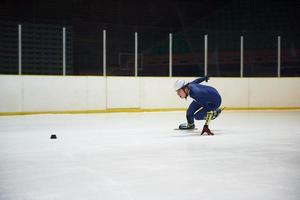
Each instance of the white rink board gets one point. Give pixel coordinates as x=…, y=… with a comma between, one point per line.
x=71, y=93
x=123, y=92
x=96, y=93
x=277, y=92
x=54, y=93
x=11, y=93
x=51, y=93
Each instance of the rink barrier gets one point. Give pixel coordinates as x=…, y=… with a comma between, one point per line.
x=135, y=110
x=28, y=94
x=113, y=110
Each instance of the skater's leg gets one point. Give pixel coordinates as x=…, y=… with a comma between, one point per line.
x=192, y=111
x=206, y=113
x=210, y=107
x=190, y=115
x=201, y=114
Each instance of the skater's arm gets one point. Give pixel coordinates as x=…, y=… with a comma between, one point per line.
x=200, y=80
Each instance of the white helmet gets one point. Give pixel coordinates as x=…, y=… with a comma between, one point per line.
x=179, y=84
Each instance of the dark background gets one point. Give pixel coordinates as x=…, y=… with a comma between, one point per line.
x=166, y=13
x=223, y=21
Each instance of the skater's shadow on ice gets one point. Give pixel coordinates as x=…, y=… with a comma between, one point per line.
x=187, y=135
x=198, y=133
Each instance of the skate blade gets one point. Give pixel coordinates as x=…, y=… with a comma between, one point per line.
x=178, y=129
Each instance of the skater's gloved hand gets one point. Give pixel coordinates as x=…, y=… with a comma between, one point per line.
x=206, y=78
x=186, y=126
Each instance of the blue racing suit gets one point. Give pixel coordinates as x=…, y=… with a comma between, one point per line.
x=206, y=98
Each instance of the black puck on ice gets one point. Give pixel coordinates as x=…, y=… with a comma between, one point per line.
x=53, y=136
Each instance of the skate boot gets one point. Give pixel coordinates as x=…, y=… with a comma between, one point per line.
x=186, y=126
x=206, y=130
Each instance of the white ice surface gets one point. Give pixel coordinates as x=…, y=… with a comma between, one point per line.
x=138, y=156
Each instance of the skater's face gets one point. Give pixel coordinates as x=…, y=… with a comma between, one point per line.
x=182, y=93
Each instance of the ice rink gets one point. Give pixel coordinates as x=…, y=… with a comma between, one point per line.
x=139, y=156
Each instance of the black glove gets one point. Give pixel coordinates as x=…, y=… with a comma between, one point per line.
x=186, y=126
x=206, y=78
